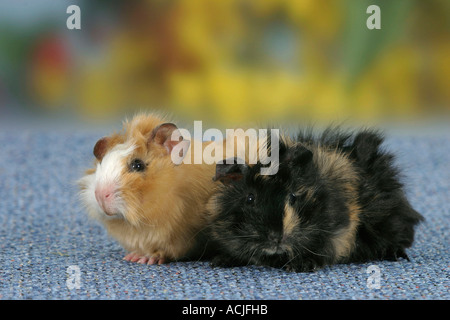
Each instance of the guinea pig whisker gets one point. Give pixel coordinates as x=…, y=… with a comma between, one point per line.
x=250, y=236
x=203, y=252
x=246, y=236
x=317, y=229
x=284, y=265
x=196, y=233
x=250, y=259
x=310, y=251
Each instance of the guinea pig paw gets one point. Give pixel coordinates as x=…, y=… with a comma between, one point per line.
x=156, y=259
x=133, y=257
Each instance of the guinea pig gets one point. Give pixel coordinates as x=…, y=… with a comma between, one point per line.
x=151, y=206
x=336, y=198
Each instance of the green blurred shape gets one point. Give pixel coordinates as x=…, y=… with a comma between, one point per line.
x=362, y=45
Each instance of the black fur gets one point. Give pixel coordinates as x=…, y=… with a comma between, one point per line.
x=323, y=178
x=387, y=218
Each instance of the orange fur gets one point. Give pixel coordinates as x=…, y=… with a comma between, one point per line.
x=165, y=204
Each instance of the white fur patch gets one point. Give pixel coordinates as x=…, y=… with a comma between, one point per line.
x=108, y=172
x=112, y=165
x=87, y=195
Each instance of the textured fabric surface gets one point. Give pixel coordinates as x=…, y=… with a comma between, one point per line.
x=46, y=237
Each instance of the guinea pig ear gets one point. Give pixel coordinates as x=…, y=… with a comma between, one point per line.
x=100, y=148
x=162, y=135
x=231, y=169
x=302, y=156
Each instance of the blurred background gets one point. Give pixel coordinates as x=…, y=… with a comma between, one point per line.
x=226, y=62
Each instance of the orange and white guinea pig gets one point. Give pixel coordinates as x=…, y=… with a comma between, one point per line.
x=154, y=208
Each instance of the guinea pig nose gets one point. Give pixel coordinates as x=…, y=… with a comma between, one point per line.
x=105, y=197
x=99, y=195
x=273, y=237
x=102, y=193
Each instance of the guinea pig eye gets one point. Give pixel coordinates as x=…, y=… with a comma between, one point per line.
x=137, y=165
x=250, y=198
x=292, y=198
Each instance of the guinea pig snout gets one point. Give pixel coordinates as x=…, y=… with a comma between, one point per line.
x=275, y=243
x=274, y=238
x=105, y=198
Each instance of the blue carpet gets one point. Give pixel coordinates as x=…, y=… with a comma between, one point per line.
x=46, y=237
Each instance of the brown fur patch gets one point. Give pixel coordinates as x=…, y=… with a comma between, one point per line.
x=90, y=171
x=105, y=144
x=336, y=167
x=307, y=192
x=290, y=220
x=344, y=241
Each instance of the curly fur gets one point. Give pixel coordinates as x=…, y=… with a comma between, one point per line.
x=337, y=198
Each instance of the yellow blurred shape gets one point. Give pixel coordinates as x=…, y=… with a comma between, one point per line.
x=439, y=65
x=272, y=93
x=228, y=92
x=187, y=91
x=98, y=94
x=49, y=86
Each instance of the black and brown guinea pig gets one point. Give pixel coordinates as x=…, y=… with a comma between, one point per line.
x=153, y=207
x=336, y=198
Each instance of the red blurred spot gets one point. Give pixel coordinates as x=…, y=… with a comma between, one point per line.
x=51, y=52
